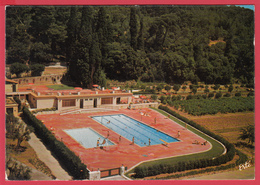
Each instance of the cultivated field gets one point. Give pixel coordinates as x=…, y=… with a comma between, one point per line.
x=226, y=125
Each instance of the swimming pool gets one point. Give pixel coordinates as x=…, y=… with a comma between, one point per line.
x=87, y=137
x=129, y=128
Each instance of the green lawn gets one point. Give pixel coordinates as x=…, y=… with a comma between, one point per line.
x=60, y=87
x=216, y=150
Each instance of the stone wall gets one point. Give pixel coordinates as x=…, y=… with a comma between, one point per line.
x=50, y=79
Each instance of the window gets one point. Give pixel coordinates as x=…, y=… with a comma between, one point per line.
x=69, y=103
x=106, y=101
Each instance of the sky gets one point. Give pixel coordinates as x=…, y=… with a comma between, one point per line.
x=252, y=7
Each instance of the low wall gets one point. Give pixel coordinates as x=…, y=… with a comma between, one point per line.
x=55, y=79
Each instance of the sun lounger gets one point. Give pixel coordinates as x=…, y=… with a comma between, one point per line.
x=164, y=143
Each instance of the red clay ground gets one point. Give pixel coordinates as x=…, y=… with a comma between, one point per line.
x=122, y=152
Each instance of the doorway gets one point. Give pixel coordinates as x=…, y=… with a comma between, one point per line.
x=81, y=103
x=95, y=102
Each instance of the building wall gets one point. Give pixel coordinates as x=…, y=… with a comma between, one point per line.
x=46, y=103
x=8, y=88
x=14, y=109
x=88, y=103
x=32, y=101
x=54, y=79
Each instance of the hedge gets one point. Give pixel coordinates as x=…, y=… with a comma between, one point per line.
x=242, y=159
x=68, y=158
x=18, y=101
x=141, y=172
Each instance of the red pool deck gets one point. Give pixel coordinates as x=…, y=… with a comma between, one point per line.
x=123, y=152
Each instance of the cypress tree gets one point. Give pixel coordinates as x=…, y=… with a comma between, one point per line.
x=133, y=28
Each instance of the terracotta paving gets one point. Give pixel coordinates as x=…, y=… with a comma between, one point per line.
x=122, y=152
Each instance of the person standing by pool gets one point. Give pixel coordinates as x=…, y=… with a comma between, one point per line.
x=149, y=141
x=98, y=142
x=179, y=133
x=107, y=133
x=133, y=140
x=119, y=138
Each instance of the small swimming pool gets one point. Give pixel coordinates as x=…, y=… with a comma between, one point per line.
x=87, y=137
x=129, y=128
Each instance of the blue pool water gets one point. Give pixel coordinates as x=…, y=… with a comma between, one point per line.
x=87, y=137
x=129, y=128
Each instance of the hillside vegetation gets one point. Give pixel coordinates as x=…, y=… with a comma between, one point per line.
x=169, y=44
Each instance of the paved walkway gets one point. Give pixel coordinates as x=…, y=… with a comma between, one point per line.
x=247, y=174
x=112, y=178
x=45, y=156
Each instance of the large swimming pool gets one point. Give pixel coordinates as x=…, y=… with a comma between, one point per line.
x=88, y=137
x=129, y=128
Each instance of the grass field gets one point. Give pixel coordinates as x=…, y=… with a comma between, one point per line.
x=60, y=87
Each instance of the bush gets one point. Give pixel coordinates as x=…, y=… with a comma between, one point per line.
x=227, y=95
x=250, y=94
x=230, y=88
x=216, y=87
x=154, y=97
x=211, y=95
x=176, y=87
x=68, y=158
x=37, y=69
x=218, y=95
x=238, y=94
x=18, y=101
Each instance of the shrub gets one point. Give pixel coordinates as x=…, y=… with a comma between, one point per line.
x=230, y=88
x=218, y=95
x=154, y=97
x=176, y=87
x=211, y=95
x=216, y=87
x=250, y=94
x=167, y=87
x=227, y=95
x=18, y=101
x=238, y=94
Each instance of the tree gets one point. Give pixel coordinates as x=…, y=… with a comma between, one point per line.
x=230, y=88
x=133, y=28
x=248, y=132
x=17, y=37
x=18, y=69
x=154, y=97
x=167, y=87
x=37, y=69
x=17, y=130
x=177, y=87
x=159, y=88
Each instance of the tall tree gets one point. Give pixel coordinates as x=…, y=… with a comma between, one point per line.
x=133, y=28
x=17, y=37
